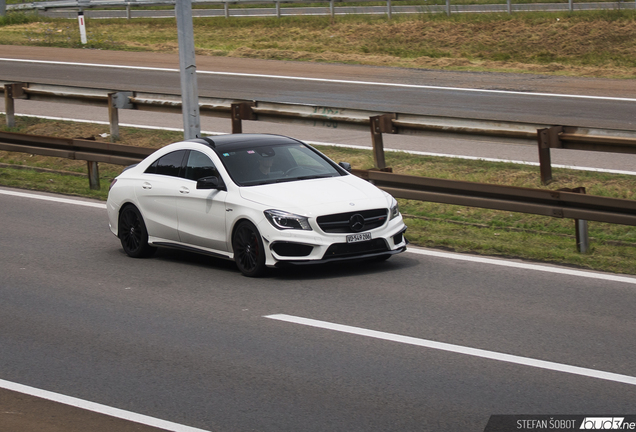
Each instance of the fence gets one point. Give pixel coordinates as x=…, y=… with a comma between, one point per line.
x=388, y=8
x=378, y=123
x=561, y=204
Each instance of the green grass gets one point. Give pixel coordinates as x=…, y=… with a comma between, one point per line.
x=441, y=226
x=584, y=43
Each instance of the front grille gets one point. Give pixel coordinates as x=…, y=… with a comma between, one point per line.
x=338, y=250
x=353, y=222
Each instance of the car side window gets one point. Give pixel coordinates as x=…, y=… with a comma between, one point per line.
x=200, y=165
x=169, y=164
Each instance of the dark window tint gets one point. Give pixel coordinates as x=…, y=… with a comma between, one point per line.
x=199, y=165
x=169, y=164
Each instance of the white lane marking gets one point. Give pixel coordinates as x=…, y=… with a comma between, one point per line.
x=337, y=81
x=475, y=352
x=418, y=251
x=54, y=199
x=525, y=266
x=318, y=143
x=98, y=408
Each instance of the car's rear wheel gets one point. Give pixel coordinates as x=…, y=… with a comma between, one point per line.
x=133, y=233
x=249, y=252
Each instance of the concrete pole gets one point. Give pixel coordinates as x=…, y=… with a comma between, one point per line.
x=188, y=69
x=3, y=7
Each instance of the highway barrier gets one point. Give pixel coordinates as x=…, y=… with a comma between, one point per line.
x=571, y=204
x=389, y=8
x=378, y=123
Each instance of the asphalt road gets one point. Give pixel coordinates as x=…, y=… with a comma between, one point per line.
x=522, y=106
x=187, y=339
x=553, y=100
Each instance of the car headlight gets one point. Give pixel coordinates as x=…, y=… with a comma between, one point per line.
x=395, y=210
x=283, y=220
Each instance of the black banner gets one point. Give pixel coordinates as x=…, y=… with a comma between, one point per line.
x=567, y=423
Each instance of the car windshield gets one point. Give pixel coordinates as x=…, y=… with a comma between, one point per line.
x=258, y=165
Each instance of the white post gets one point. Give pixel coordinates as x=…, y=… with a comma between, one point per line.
x=82, y=26
x=188, y=69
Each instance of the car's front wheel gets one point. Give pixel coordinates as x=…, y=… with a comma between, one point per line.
x=133, y=233
x=249, y=252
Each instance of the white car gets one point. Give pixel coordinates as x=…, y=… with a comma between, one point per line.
x=261, y=200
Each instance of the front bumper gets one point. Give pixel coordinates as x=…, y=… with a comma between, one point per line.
x=311, y=247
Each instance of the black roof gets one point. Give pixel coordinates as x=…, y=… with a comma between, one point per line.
x=239, y=141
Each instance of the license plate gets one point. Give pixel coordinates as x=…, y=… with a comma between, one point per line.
x=353, y=238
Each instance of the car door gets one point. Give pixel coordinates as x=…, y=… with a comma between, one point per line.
x=157, y=193
x=201, y=212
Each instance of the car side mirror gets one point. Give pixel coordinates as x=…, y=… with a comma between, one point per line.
x=345, y=165
x=210, y=183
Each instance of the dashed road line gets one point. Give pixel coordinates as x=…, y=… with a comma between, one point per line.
x=474, y=352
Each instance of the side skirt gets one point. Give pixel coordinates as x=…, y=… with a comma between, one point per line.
x=192, y=249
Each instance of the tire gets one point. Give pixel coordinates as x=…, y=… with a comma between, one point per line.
x=133, y=233
x=249, y=253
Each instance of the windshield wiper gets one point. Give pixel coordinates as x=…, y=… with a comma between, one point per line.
x=317, y=176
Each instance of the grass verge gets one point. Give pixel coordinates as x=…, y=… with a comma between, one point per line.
x=456, y=228
x=584, y=43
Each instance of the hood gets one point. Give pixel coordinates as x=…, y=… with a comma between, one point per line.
x=319, y=196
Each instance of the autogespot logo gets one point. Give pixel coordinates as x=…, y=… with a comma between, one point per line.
x=606, y=423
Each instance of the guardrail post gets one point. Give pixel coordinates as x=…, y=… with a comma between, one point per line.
x=241, y=111
x=381, y=124
x=11, y=92
x=277, y=9
x=582, y=239
x=448, y=8
x=388, y=8
x=332, y=10
x=547, y=138
x=509, y=6
x=580, y=226
x=226, y=9
x=116, y=101
x=93, y=175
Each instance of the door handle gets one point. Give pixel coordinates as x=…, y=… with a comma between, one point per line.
x=184, y=190
x=146, y=185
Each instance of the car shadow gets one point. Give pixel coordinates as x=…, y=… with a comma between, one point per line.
x=342, y=269
x=334, y=270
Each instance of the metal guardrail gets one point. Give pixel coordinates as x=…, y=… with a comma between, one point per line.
x=378, y=123
x=571, y=204
x=561, y=204
x=92, y=152
x=448, y=8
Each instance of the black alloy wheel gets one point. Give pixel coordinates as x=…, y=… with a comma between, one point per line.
x=133, y=233
x=249, y=252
